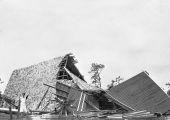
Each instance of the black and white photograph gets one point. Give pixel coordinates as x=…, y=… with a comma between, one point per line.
x=84, y=60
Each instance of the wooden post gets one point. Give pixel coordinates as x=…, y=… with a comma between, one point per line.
x=19, y=104
x=42, y=98
x=65, y=112
x=1, y=103
x=10, y=111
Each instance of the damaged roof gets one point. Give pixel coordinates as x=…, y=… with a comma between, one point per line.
x=30, y=80
x=141, y=93
x=82, y=84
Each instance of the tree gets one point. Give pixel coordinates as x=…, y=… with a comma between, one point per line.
x=115, y=82
x=95, y=70
x=167, y=84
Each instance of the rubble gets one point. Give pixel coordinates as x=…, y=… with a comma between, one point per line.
x=57, y=90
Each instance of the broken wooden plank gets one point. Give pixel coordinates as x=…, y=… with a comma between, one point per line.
x=42, y=98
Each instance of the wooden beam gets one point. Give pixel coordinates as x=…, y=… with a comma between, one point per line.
x=42, y=98
x=55, y=88
x=10, y=112
x=46, y=105
x=9, y=100
x=62, y=76
x=92, y=105
x=59, y=96
x=126, y=107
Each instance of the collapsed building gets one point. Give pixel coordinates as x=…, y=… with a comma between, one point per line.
x=59, y=77
x=142, y=93
x=50, y=82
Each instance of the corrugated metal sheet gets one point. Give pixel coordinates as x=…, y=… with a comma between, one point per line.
x=141, y=93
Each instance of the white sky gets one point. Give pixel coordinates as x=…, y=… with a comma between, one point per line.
x=127, y=36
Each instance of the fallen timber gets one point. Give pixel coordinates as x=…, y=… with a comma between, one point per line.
x=91, y=115
x=57, y=84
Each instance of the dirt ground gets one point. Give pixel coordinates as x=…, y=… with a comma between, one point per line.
x=39, y=117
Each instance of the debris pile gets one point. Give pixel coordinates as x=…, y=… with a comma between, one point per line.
x=57, y=89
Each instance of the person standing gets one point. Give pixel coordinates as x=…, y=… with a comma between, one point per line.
x=22, y=104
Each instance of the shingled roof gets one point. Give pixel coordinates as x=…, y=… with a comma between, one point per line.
x=141, y=93
x=31, y=79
